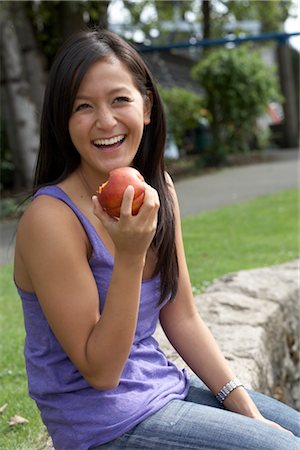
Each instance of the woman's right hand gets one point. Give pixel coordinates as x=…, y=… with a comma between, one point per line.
x=131, y=234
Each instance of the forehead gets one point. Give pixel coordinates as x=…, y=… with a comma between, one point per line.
x=107, y=72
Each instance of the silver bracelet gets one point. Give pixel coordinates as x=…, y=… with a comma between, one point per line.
x=229, y=387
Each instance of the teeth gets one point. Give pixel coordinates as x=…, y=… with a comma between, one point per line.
x=110, y=141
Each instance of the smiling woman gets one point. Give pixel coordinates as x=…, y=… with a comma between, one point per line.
x=93, y=287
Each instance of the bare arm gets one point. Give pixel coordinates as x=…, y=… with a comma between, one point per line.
x=53, y=246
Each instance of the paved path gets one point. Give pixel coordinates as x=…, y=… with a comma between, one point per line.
x=233, y=185
x=206, y=192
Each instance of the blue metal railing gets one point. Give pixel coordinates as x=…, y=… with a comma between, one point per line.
x=280, y=37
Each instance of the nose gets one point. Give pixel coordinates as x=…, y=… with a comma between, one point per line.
x=105, y=119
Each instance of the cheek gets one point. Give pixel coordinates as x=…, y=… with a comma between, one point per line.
x=142, y=117
x=75, y=128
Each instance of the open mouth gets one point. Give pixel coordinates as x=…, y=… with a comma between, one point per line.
x=109, y=143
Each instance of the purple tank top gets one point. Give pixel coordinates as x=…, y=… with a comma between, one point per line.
x=77, y=416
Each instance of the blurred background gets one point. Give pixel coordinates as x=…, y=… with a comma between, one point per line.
x=228, y=72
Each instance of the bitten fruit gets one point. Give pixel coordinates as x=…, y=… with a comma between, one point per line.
x=110, y=193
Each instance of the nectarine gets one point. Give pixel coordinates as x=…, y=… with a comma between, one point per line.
x=110, y=193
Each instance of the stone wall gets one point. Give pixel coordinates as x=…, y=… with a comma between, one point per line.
x=255, y=316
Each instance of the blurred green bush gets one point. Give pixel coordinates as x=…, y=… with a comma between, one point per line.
x=184, y=109
x=239, y=86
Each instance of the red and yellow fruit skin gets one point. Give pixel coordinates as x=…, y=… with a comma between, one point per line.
x=110, y=193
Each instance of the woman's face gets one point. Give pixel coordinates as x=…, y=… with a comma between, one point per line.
x=108, y=118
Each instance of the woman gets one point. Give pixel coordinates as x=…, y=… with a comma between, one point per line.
x=93, y=287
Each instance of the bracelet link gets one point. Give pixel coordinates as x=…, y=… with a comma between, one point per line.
x=229, y=387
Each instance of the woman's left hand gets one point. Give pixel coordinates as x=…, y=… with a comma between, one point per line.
x=273, y=424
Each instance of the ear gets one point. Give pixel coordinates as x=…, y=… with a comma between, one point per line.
x=148, y=102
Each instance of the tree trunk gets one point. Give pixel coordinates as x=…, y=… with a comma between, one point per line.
x=286, y=75
x=20, y=110
x=33, y=62
x=101, y=9
x=103, y=6
x=70, y=18
x=206, y=18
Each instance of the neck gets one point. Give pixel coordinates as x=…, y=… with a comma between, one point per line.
x=86, y=185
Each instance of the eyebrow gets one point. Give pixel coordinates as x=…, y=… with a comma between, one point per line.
x=113, y=91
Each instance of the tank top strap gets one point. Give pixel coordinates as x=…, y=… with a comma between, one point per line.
x=98, y=247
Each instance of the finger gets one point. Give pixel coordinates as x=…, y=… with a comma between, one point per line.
x=97, y=208
x=282, y=428
x=275, y=425
x=126, y=205
x=99, y=212
x=151, y=201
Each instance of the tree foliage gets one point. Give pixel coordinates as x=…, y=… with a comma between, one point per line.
x=214, y=16
x=270, y=14
x=158, y=20
x=54, y=21
x=222, y=14
x=238, y=86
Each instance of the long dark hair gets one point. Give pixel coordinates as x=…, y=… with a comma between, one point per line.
x=58, y=157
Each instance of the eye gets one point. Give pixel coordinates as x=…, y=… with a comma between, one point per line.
x=122, y=99
x=82, y=106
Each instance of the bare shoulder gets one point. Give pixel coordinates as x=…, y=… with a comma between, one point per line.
x=43, y=208
x=173, y=193
x=169, y=180
x=48, y=230
x=47, y=217
x=40, y=211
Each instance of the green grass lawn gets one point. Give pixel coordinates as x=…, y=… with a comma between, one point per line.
x=251, y=234
x=13, y=384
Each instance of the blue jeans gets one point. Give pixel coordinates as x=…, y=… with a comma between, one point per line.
x=200, y=422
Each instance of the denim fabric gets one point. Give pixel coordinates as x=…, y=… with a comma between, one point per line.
x=199, y=422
